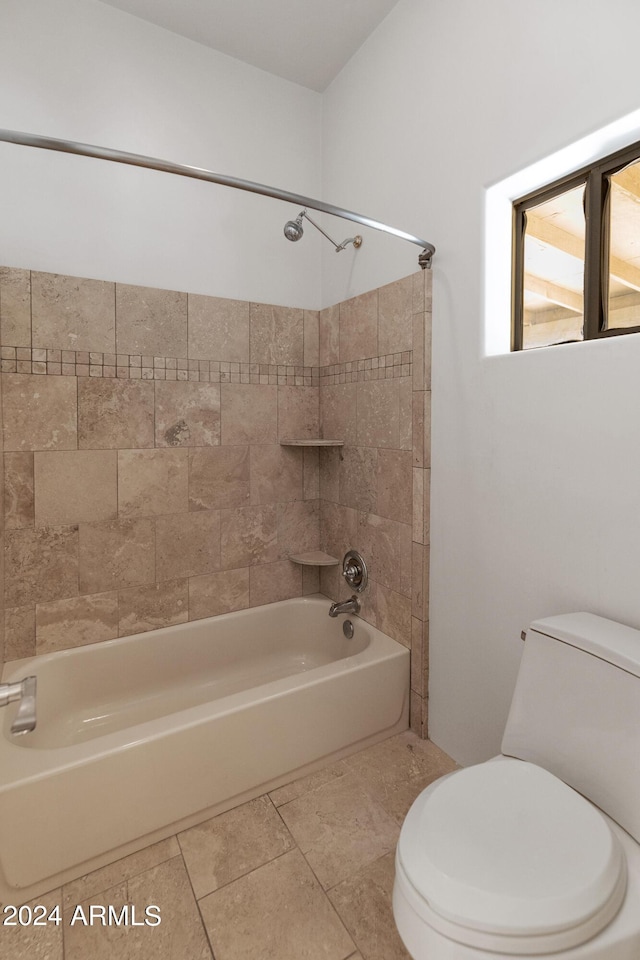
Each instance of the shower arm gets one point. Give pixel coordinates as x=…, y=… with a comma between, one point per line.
x=199, y=173
x=356, y=241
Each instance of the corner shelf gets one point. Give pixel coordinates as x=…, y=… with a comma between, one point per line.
x=315, y=558
x=312, y=443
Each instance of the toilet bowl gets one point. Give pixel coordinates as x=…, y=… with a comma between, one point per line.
x=507, y=859
x=504, y=860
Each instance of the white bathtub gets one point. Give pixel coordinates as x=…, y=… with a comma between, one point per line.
x=146, y=735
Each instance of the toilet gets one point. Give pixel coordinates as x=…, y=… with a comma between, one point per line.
x=536, y=853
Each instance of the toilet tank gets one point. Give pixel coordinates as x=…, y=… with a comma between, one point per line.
x=576, y=710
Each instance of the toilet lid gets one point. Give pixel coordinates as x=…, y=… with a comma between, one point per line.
x=506, y=847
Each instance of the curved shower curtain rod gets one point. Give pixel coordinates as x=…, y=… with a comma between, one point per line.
x=198, y=173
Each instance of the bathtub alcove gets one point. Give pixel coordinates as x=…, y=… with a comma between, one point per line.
x=143, y=736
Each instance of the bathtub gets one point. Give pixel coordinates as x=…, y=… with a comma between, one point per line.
x=143, y=736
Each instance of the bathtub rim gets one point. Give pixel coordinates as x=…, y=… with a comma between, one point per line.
x=33, y=763
x=313, y=600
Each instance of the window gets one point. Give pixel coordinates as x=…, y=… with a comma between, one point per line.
x=576, y=253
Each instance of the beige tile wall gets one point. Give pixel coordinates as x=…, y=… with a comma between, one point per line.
x=144, y=483
x=143, y=479
x=375, y=394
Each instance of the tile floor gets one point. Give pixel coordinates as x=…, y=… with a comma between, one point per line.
x=302, y=873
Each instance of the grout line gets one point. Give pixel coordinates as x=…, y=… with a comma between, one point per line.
x=126, y=880
x=322, y=888
x=187, y=324
x=193, y=894
x=247, y=873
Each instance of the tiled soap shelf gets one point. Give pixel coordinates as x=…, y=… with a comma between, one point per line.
x=315, y=558
x=312, y=443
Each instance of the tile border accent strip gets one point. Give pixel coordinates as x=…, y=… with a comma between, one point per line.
x=80, y=363
x=373, y=368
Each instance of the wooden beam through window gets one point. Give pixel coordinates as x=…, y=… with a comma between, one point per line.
x=545, y=231
x=554, y=293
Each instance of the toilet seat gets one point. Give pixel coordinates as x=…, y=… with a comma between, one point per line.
x=504, y=856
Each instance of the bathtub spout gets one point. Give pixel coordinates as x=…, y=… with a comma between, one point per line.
x=347, y=606
x=25, y=692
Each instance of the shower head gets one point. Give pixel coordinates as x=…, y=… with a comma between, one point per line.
x=293, y=228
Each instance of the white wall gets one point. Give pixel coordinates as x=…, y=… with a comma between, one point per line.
x=81, y=70
x=536, y=457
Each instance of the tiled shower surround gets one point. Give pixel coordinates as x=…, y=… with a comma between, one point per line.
x=144, y=479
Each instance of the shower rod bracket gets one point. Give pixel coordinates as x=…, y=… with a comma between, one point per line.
x=424, y=259
x=199, y=173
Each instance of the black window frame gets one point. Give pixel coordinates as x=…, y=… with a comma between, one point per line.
x=595, y=178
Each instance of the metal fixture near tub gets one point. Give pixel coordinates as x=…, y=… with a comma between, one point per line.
x=348, y=629
x=25, y=692
x=354, y=570
x=346, y=606
x=293, y=231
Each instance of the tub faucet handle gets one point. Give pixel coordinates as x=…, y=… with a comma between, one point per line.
x=25, y=692
x=354, y=570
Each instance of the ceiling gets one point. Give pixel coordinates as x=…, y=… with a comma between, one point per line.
x=306, y=41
